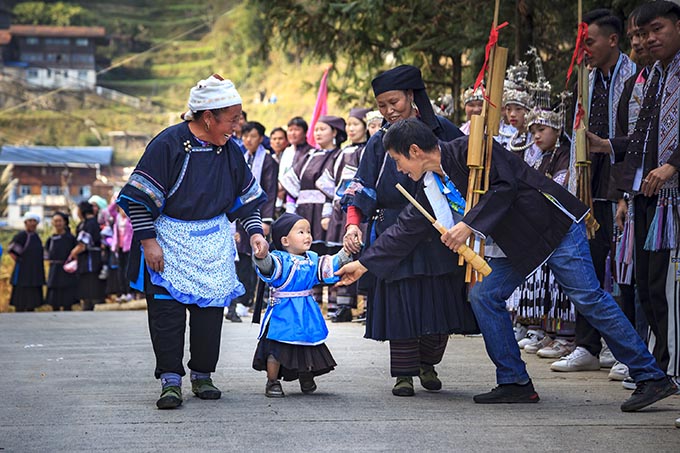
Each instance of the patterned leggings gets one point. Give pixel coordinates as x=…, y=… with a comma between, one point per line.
x=407, y=356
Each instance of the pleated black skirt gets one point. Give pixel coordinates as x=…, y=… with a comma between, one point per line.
x=26, y=298
x=294, y=359
x=417, y=306
x=62, y=297
x=90, y=287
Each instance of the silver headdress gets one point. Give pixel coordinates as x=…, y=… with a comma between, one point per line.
x=471, y=94
x=540, y=89
x=515, y=86
x=552, y=118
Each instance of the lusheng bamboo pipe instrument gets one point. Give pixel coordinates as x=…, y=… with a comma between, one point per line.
x=483, y=128
x=478, y=263
x=583, y=177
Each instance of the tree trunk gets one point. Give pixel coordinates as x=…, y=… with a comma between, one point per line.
x=524, y=30
x=456, y=81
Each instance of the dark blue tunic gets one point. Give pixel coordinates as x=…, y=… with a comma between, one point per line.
x=180, y=178
x=424, y=293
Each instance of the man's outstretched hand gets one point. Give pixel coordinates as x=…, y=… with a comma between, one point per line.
x=349, y=273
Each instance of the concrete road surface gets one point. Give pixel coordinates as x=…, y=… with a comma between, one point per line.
x=83, y=382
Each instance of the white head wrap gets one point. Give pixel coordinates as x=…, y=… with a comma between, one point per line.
x=373, y=115
x=31, y=216
x=211, y=93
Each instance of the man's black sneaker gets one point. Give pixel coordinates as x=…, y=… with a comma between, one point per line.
x=509, y=393
x=649, y=392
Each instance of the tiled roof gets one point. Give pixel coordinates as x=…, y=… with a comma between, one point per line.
x=53, y=155
x=54, y=31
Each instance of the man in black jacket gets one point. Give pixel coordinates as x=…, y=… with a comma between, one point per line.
x=533, y=220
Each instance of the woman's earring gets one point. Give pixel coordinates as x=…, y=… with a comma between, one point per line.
x=413, y=105
x=334, y=143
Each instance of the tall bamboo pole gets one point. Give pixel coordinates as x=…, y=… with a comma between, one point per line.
x=584, y=190
x=483, y=128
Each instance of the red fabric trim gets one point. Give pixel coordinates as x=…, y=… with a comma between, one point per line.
x=353, y=216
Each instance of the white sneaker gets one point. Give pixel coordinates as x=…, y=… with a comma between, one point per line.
x=559, y=347
x=579, y=360
x=676, y=380
x=534, y=347
x=607, y=359
x=520, y=331
x=629, y=384
x=533, y=337
x=619, y=371
x=242, y=310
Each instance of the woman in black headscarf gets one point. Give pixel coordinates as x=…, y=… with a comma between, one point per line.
x=62, y=286
x=425, y=300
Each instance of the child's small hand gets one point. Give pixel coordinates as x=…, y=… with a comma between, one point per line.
x=325, y=222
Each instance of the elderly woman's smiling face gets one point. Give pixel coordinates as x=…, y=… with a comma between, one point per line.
x=395, y=105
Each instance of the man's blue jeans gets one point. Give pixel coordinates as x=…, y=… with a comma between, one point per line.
x=573, y=268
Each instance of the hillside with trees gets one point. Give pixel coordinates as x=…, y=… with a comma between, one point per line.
x=158, y=49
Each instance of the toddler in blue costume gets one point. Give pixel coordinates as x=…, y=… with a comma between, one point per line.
x=293, y=330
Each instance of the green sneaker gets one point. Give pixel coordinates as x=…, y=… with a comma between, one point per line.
x=205, y=389
x=171, y=397
x=403, y=387
x=428, y=378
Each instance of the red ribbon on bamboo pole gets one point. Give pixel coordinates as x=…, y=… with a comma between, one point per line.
x=580, y=114
x=580, y=50
x=493, y=39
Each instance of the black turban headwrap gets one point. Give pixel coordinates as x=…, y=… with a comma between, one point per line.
x=282, y=227
x=407, y=77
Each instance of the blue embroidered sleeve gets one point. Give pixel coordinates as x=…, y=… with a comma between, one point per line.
x=160, y=165
x=330, y=264
x=361, y=191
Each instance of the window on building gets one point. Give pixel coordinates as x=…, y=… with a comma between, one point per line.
x=85, y=192
x=82, y=74
x=31, y=56
x=82, y=42
x=32, y=41
x=24, y=190
x=82, y=58
x=57, y=41
x=32, y=73
x=50, y=190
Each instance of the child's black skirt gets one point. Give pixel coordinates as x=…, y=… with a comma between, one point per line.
x=294, y=359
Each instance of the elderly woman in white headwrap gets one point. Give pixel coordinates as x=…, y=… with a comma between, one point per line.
x=28, y=276
x=190, y=183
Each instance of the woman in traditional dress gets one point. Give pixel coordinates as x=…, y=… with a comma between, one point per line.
x=312, y=184
x=344, y=169
x=28, y=275
x=88, y=253
x=424, y=301
x=190, y=183
x=62, y=286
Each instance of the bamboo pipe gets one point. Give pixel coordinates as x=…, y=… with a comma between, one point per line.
x=476, y=261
